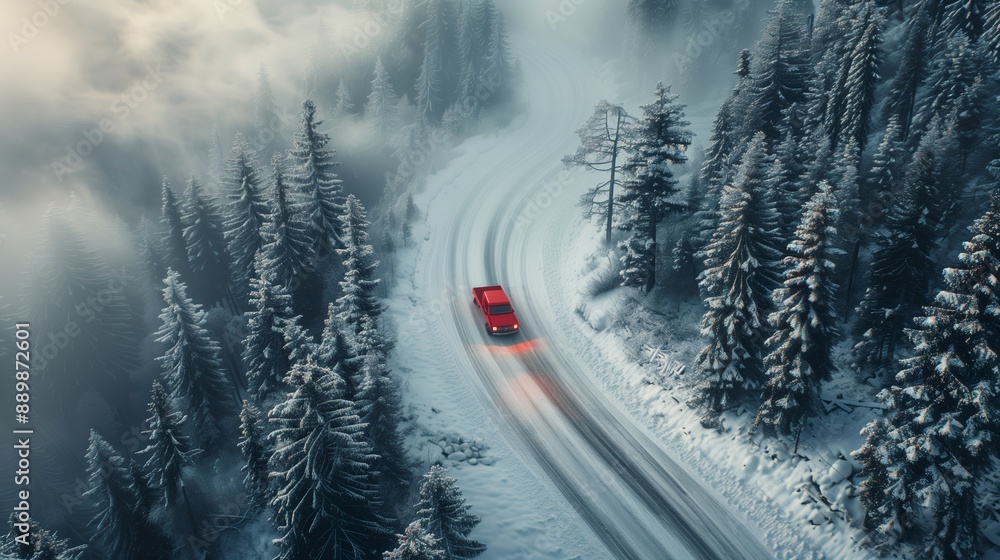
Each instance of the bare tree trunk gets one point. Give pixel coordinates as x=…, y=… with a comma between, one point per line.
x=614, y=169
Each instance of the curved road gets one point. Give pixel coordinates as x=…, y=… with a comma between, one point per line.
x=499, y=224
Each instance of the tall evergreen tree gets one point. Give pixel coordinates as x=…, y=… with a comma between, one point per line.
x=901, y=267
x=805, y=323
x=430, y=98
x=886, y=172
x=191, y=364
x=741, y=271
x=945, y=405
x=723, y=153
x=174, y=243
x=265, y=352
x=602, y=146
x=168, y=449
x=256, y=452
x=265, y=109
x=122, y=525
x=497, y=68
x=326, y=501
x=248, y=210
x=151, y=258
x=344, y=107
x=648, y=25
x=379, y=403
x=314, y=178
x=955, y=68
x=382, y=107
x=416, y=544
x=884, y=494
x=780, y=70
x=359, y=283
x=660, y=140
x=902, y=95
x=862, y=79
x=290, y=249
x=443, y=512
x=206, y=244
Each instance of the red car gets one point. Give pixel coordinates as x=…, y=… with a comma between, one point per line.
x=496, y=308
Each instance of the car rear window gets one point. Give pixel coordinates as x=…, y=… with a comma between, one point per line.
x=500, y=309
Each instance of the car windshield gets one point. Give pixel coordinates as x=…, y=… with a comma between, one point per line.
x=500, y=310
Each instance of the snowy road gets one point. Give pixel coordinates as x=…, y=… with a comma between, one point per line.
x=495, y=223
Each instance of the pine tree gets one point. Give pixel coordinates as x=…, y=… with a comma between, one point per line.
x=723, y=153
x=206, y=244
x=154, y=267
x=379, y=403
x=343, y=108
x=472, y=30
x=382, y=107
x=38, y=544
x=780, y=71
x=991, y=34
x=497, y=68
x=968, y=17
x=416, y=544
x=316, y=78
x=862, y=79
x=944, y=406
x=784, y=181
x=955, y=68
x=256, y=453
x=265, y=110
x=122, y=525
x=884, y=494
x=659, y=141
x=359, y=283
x=901, y=267
x=602, y=146
x=337, y=353
x=442, y=511
x=648, y=25
x=191, y=364
x=174, y=243
x=265, y=353
x=168, y=449
x=326, y=501
x=289, y=248
x=902, y=94
x=313, y=178
x=430, y=83
x=885, y=175
x=741, y=270
x=248, y=210
x=805, y=323
x=215, y=156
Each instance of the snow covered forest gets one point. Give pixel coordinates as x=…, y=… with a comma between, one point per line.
x=248, y=288
x=215, y=376
x=840, y=226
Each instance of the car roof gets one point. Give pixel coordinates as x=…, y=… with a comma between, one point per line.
x=496, y=297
